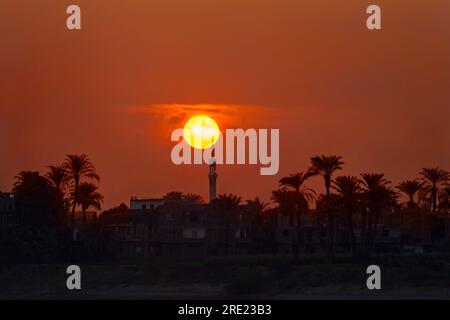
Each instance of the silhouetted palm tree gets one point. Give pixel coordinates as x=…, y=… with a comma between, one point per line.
x=228, y=201
x=286, y=201
x=379, y=197
x=28, y=182
x=410, y=188
x=434, y=180
x=254, y=210
x=444, y=203
x=174, y=196
x=228, y=204
x=88, y=197
x=296, y=183
x=304, y=195
x=349, y=190
x=326, y=166
x=78, y=167
x=57, y=177
x=37, y=199
x=192, y=198
x=256, y=206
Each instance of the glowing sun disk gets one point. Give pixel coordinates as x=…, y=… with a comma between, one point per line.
x=201, y=132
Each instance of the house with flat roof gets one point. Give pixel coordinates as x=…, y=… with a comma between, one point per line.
x=145, y=203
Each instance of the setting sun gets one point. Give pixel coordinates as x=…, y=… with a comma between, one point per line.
x=201, y=132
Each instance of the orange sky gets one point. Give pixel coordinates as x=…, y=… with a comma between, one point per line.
x=115, y=89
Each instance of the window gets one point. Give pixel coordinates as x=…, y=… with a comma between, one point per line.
x=194, y=234
x=144, y=206
x=172, y=232
x=192, y=216
x=285, y=232
x=242, y=233
x=170, y=216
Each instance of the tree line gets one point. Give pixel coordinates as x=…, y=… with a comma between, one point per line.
x=356, y=202
x=47, y=204
x=46, y=210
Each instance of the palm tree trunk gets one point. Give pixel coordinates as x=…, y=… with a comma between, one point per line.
x=327, y=184
x=372, y=233
x=299, y=226
x=352, y=231
x=362, y=235
x=369, y=228
x=75, y=196
x=227, y=236
x=331, y=227
x=233, y=238
x=401, y=226
x=434, y=200
x=84, y=218
x=299, y=236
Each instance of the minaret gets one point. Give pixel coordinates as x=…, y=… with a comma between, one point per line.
x=212, y=177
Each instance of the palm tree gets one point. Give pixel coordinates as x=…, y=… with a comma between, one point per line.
x=434, y=181
x=378, y=196
x=192, y=198
x=77, y=168
x=349, y=190
x=410, y=188
x=286, y=201
x=38, y=200
x=28, y=182
x=296, y=183
x=326, y=166
x=444, y=202
x=256, y=206
x=303, y=196
x=57, y=177
x=228, y=201
x=88, y=197
x=229, y=205
x=174, y=196
x=255, y=210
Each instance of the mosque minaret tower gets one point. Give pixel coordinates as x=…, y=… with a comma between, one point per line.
x=212, y=178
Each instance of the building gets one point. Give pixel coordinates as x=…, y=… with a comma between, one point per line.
x=7, y=212
x=286, y=233
x=145, y=203
x=183, y=230
x=178, y=230
x=132, y=233
x=212, y=178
